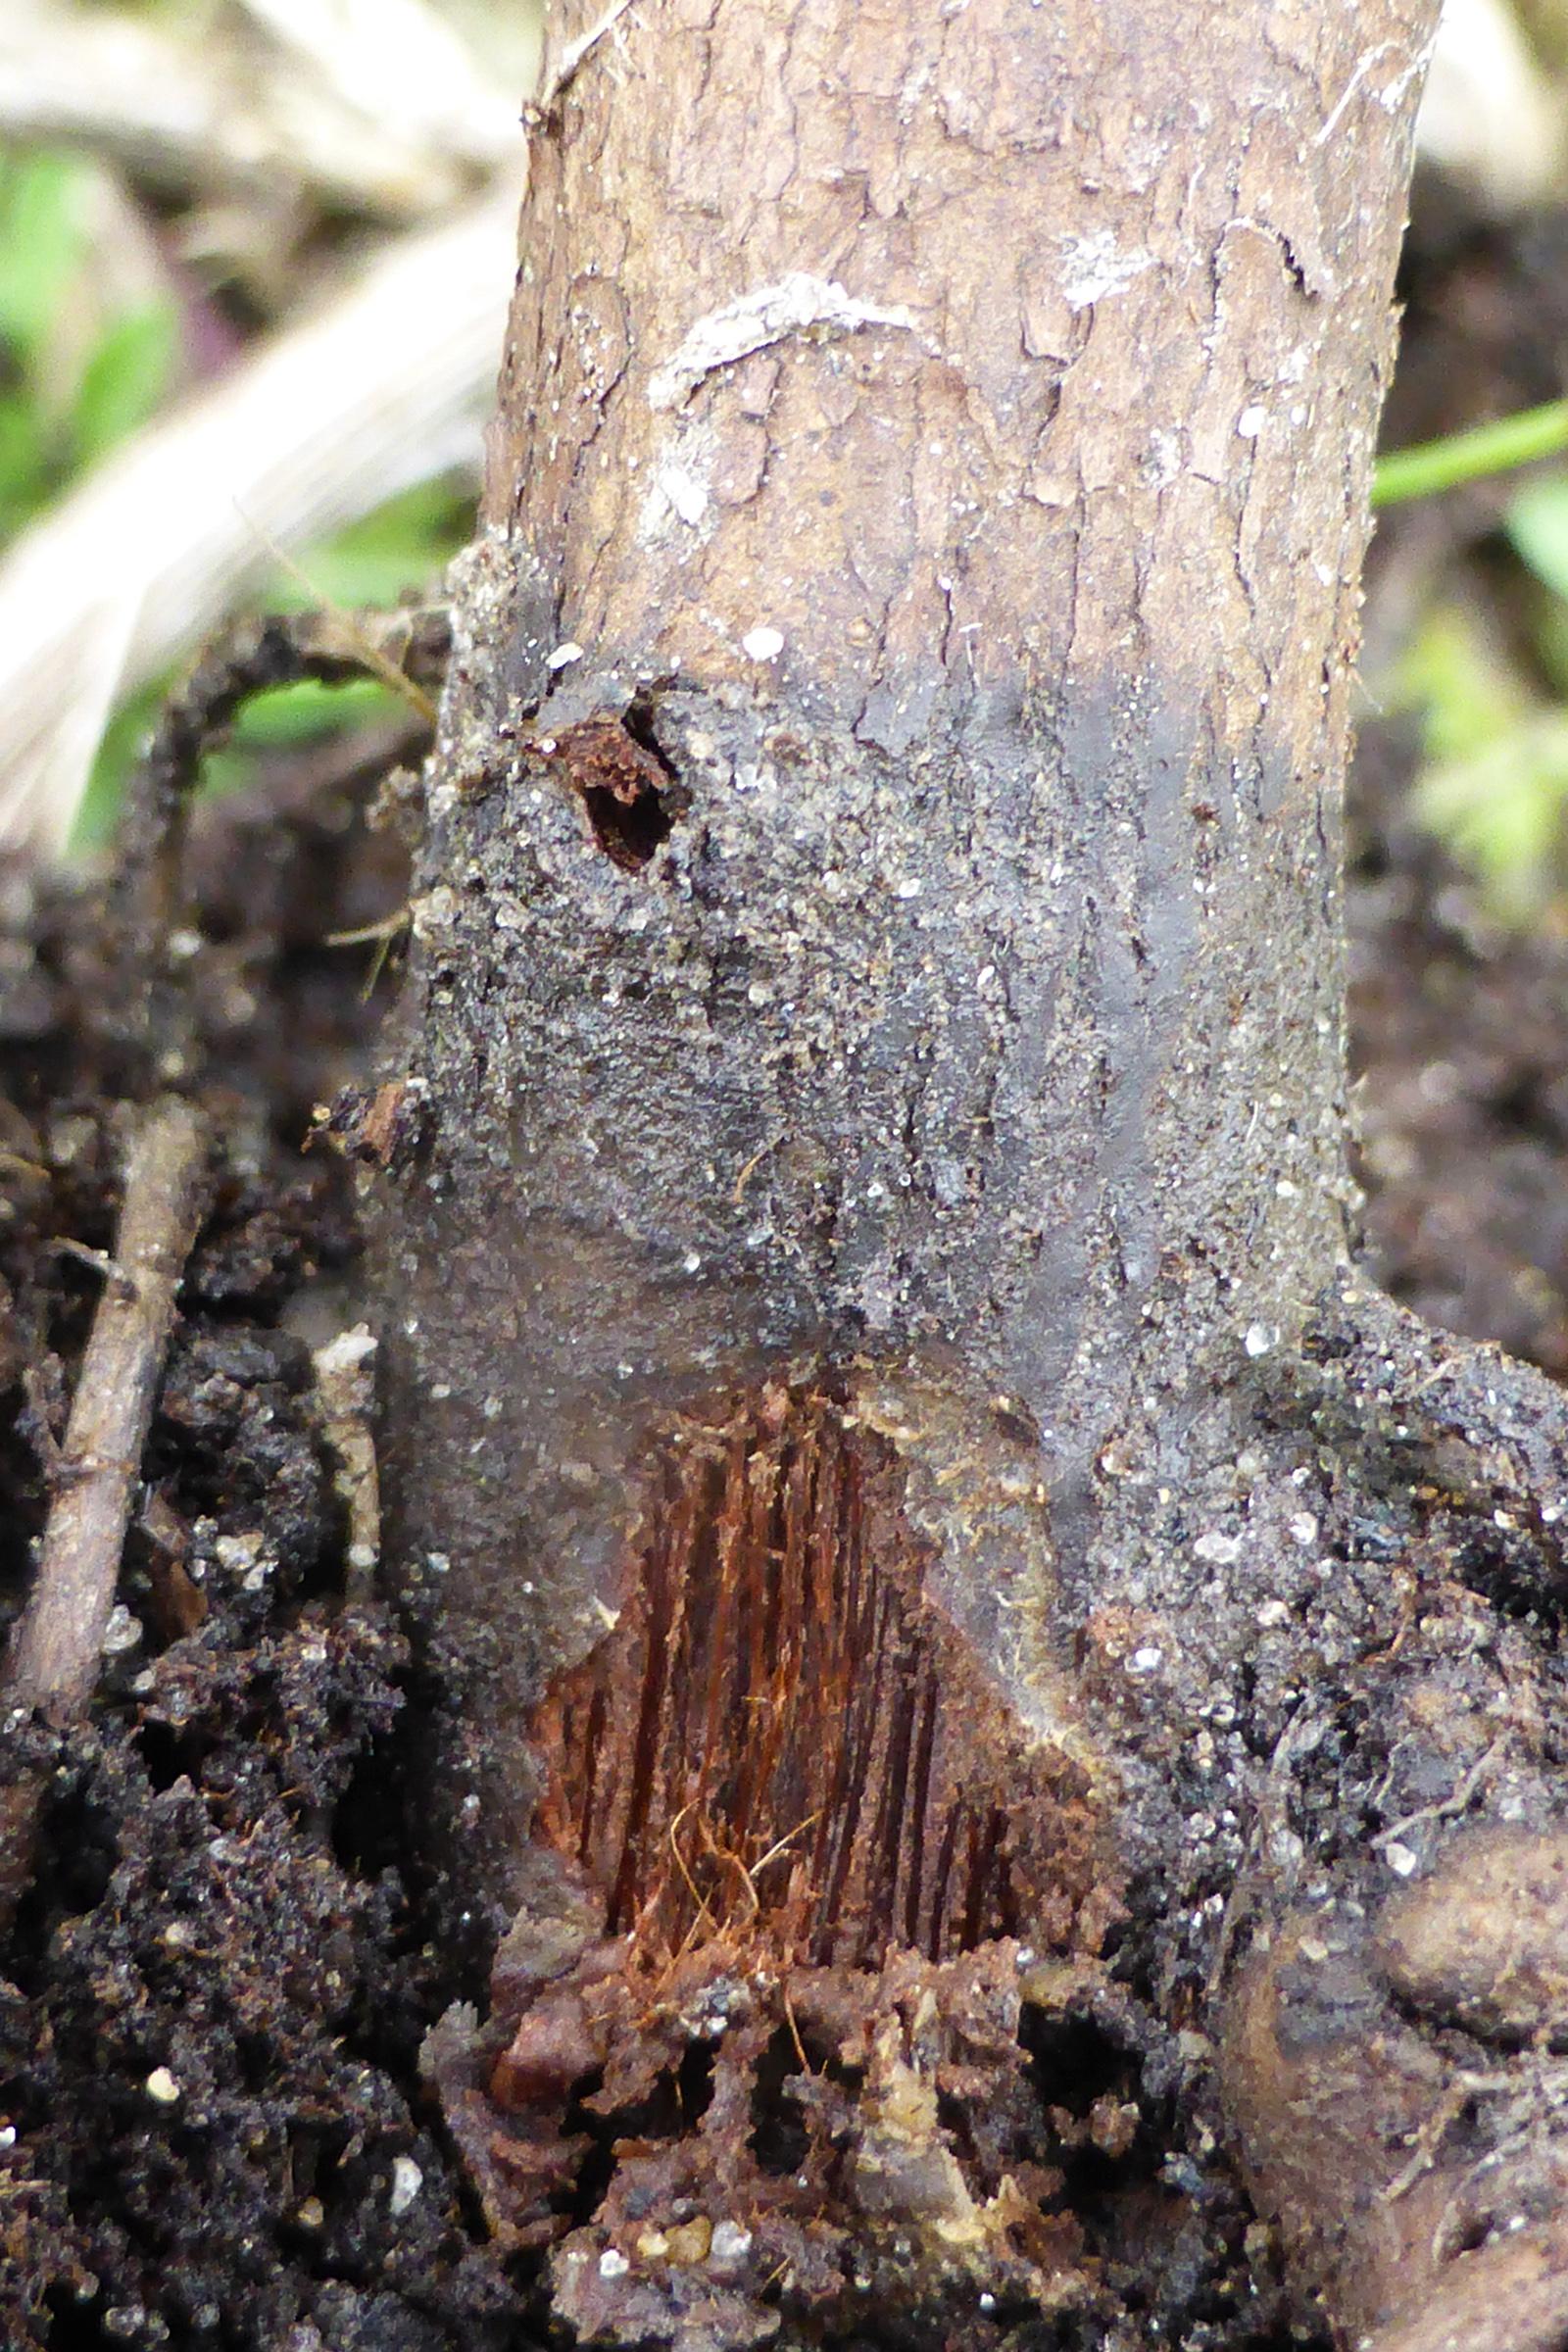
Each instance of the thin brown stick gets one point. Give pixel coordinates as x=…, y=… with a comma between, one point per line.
x=409, y=646
x=345, y=1389
x=54, y=1655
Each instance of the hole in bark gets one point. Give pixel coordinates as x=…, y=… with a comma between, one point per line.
x=74, y=2327
x=1504, y=1573
x=258, y=2061
x=638, y=721
x=165, y=1755
x=779, y=2142
x=694, y=2087
x=82, y=1843
x=628, y=828
x=1071, y=2062
x=595, y=2166
x=1470, y=2236
x=1106, y=2131
x=366, y=1839
x=629, y=791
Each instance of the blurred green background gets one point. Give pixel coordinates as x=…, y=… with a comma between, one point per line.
x=134, y=268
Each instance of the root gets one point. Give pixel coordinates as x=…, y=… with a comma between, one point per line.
x=1486, y=1436
x=1386, y=2043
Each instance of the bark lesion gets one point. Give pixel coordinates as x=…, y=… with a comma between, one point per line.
x=803, y=1880
x=997, y=973
x=781, y=1744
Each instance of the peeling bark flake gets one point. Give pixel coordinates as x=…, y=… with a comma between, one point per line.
x=797, y=304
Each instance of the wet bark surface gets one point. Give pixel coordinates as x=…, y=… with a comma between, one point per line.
x=977, y=1014
x=881, y=936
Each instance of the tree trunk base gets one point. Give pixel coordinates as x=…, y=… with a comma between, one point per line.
x=826, y=1996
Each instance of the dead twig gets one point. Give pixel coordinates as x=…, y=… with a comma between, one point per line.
x=54, y=1655
x=406, y=648
x=345, y=1387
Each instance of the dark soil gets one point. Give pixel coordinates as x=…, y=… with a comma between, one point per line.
x=214, y=2130
x=1460, y=1041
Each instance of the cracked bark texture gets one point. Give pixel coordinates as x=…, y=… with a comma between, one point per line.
x=879, y=963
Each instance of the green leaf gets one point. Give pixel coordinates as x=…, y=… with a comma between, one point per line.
x=25, y=477
x=299, y=713
x=122, y=747
x=403, y=544
x=1499, y=813
x=42, y=237
x=1466, y=697
x=288, y=717
x=1536, y=524
x=124, y=379
x=1549, y=643
x=401, y=547
x=1494, y=782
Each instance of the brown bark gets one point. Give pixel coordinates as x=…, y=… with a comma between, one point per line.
x=880, y=1233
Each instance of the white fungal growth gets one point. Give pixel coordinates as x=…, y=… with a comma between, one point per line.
x=674, y=490
x=1096, y=266
x=796, y=304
